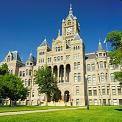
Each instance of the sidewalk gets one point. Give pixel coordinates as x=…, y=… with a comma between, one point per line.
x=37, y=111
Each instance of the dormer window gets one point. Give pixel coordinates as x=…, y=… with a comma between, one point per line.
x=31, y=64
x=76, y=47
x=41, y=53
x=104, y=54
x=8, y=58
x=58, y=49
x=100, y=54
x=69, y=22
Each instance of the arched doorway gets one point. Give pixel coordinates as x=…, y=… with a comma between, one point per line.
x=68, y=70
x=66, y=96
x=61, y=73
x=55, y=71
x=49, y=67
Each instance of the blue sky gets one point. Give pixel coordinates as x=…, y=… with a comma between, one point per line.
x=25, y=23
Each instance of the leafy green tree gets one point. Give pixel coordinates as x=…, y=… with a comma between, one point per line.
x=12, y=87
x=115, y=38
x=46, y=82
x=56, y=95
x=3, y=69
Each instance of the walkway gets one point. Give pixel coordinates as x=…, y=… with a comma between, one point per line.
x=35, y=111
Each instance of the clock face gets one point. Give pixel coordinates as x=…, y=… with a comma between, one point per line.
x=69, y=30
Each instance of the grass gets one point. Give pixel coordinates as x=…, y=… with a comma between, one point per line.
x=28, y=108
x=95, y=114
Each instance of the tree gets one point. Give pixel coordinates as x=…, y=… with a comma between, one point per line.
x=115, y=38
x=12, y=87
x=56, y=95
x=4, y=69
x=47, y=83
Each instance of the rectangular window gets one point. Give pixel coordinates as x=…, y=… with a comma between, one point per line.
x=58, y=58
x=79, y=77
x=112, y=77
x=93, y=67
x=77, y=102
x=95, y=92
x=26, y=82
x=95, y=102
x=55, y=59
x=102, y=77
x=23, y=73
x=78, y=65
x=90, y=92
x=93, y=78
x=75, y=77
x=77, y=90
x=89, y=78
x=88, y=67
x=101, y=65
x=75, y=65
x=90, y=101
x=108, y=91
x=114, y=91
x=30, y=72
x=67, y=57
x=61, y=58
x=33, y=94
x=20, y=73
x=103, y=91
x=119, y=90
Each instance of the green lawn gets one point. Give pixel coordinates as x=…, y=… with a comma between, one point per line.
x=28, y=108
x=95, y=114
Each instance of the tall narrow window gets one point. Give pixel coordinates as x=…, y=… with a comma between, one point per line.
x=88, y=67
x=112, y=77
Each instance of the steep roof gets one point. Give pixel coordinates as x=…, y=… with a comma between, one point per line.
x=31, y=58
x=77, y=37
x=15, y=55
x=90, y=56
x=44, y=43
x=100, y=48
x=70, y=15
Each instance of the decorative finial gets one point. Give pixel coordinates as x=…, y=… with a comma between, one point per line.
x=100, y=46
x=63, y=20
x=45, y=39
x=30, y=54
x=59, y=33
x=70, y=11
x=70, y=6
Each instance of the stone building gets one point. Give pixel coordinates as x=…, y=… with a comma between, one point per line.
x=77, y=73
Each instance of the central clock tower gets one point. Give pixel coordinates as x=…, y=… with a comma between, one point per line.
x=70, y=25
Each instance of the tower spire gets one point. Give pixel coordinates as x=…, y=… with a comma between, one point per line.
x=100, y=48
x=70, y=11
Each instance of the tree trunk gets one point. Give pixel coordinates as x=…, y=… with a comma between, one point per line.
x=15, y=103
x=11, y=103
x=46, y=100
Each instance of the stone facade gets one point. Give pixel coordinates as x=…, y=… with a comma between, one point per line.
x=80, y=76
